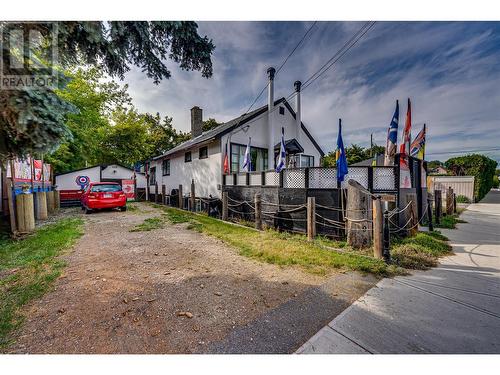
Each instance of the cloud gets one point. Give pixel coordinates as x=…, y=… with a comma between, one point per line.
x=450, y=71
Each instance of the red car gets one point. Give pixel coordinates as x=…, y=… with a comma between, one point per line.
x=99, y=195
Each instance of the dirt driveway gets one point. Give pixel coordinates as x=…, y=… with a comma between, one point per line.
x=173, y=290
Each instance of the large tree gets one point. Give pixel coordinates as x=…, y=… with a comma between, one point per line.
x=354, y=154
x=33, y=121
x=95, y=100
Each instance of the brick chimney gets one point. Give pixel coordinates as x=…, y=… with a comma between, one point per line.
x=196, y=121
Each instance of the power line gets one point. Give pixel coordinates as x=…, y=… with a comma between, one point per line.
x=282, y=65
x=340, y=53
x=463, y=151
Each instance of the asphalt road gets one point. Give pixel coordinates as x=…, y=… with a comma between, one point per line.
x=454, y=308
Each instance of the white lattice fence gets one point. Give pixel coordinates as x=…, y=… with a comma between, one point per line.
x=322, y=178
x=294, y=178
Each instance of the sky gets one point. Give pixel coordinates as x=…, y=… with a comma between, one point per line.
x=449, y=70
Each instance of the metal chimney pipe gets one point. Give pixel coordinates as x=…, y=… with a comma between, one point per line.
x=298, y=114
x=270, y=105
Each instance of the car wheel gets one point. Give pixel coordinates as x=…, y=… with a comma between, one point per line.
x=87, y=211
x=124, y=208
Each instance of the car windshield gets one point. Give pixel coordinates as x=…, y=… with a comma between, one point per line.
x=105, y=188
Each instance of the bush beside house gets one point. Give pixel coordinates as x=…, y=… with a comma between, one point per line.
x=479, y=166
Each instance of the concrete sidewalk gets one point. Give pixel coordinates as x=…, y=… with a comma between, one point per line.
x=454, y=308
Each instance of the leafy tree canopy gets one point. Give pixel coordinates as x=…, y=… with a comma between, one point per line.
x=479, y=166
x=33, y=121
x=210, y=124
x=354, y=154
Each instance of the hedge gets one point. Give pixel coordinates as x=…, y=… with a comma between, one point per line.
x=479, y=166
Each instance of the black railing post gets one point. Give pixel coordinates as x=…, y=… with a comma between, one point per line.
x=263, y=178
x=235, y=179
x=306, y=178
x=370, y=179
x=281, y=178
x=387, y=242
x=223, y=180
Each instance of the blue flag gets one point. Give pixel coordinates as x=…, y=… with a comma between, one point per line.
x=340, y=157
x=282, y=158
x=247, y=161
x=392, y=138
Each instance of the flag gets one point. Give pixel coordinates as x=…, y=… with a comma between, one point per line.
x=417, y=148
x=406, y=138
x=340, y=157
x=226, y=162
x=392, y=138
x=282, y=157
x=247, y=161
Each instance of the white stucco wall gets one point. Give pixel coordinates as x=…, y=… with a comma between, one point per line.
x=206, y=173
x=259, y=133
x=67, y=181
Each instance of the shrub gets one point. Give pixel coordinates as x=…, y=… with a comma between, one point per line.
x=462, y=199
x=479, y=166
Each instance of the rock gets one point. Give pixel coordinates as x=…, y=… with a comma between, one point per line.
x=167, y=273
x=295, y=294
x=152, y=299
x=103, y=279
x=62, y=310
x=218, y=294
x=135, y=298
x=125, y=300
x=157, y=254
x=187, y=314
x=284, y=282
x=202, y=286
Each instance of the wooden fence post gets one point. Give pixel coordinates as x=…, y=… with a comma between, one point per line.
x=10, y=202
x=311, y=218
x=258, y=211
x=454, y=203
x=224, y=205
x=25, y=213
x=449, y=201
x=413, y=229
x=163, y=194
x=359, y=231
x=181, y=198
x=377, y=228
x=387, y=238
x=41, y=205
x=50, y=202
x=193, y=196
x=429, y=213
x=438, y=205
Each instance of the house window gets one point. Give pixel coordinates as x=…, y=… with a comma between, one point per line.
x=165, y=167
x=187, y=157
x=152, y=176
x=282, y=110
x=258, y=156
x=203, y=152
x=306, y=161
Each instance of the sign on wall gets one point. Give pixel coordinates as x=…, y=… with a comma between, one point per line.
x=82, y=181
x=129, y=189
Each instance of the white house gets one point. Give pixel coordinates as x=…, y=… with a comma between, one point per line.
x=201, y=158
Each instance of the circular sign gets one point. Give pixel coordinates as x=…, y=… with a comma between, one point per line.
x=82, y=181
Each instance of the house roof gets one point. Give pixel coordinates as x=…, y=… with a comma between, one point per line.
x=292, y=146
x=103, y=166
x=226, y=127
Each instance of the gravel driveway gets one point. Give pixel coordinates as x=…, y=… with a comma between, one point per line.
x=174, y=290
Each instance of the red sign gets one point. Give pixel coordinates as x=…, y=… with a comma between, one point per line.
x=128, y=189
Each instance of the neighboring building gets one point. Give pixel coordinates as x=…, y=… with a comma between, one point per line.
x=461, y=185
x=439, y=170
x=70, y=184
x=201, y=158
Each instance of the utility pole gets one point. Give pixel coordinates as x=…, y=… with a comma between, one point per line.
x=371, y=145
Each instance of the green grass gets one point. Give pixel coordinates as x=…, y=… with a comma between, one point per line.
x=149, y=224
x=419, y=252
x=448, y=221
x=283, y=249
x=28, y=267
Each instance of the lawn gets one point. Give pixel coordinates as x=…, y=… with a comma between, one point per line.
x=28, y=268
x=281, y=248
